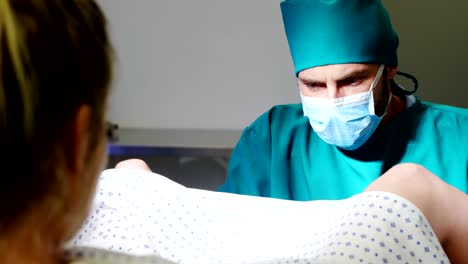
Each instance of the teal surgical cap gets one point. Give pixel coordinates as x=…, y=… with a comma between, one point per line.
x=324, y=32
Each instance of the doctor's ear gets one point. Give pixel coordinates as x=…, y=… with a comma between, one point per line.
x=391, y=71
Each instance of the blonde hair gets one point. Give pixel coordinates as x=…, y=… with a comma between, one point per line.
x=55, y=56
x=12, y=36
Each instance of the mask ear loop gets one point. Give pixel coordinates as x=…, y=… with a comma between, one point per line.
x=388, y=104
x=371, y=90
x=400, y=90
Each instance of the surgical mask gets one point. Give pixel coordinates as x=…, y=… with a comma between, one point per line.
x=346, y=122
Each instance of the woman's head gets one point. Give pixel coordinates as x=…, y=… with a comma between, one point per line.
x=55, y=70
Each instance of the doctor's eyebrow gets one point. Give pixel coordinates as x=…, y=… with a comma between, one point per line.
x=358, y=74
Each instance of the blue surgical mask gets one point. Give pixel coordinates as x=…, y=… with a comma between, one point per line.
x=346, y=122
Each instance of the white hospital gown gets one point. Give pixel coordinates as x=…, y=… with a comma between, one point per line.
x=143, y=213
x=84, y=255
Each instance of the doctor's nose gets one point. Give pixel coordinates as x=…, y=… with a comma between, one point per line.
x=333, y=92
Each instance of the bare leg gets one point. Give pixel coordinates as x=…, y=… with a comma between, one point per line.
x=135, y=164
x=445, y=207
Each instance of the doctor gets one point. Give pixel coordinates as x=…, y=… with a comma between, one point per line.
x=354, y=122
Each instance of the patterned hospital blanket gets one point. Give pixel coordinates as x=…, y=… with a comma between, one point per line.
x=143, y=213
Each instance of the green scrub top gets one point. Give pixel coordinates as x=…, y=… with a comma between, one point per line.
x=280, y=156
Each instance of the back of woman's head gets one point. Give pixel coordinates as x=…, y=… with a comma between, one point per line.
x=55, y=56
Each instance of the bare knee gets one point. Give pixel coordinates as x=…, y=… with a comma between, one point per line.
x=406, y=178
x=411, y=181
x=409, y=171
x=443, y=205
x=135, y=164
x=422, y=188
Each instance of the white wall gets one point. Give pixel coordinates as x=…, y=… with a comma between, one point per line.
x=209, y=64
x=218, y=64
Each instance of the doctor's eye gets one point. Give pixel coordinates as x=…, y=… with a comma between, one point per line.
x=355, y=81
x=315, y=85
x=352, y=81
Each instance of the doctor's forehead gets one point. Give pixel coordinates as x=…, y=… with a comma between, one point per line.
x=337, y=72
